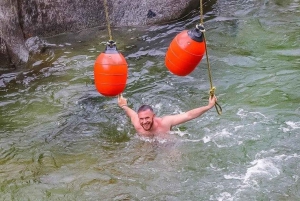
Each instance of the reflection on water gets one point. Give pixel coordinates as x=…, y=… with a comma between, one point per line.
x=62, y=140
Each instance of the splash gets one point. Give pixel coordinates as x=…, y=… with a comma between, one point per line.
x=261, y=167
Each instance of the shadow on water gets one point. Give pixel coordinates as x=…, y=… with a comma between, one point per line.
x=62, y=140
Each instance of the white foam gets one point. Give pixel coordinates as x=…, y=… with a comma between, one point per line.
x=266, y=168
x=285, y=130
x=223, y=133
x=152, y=139
x=296, y=178
x=258, y=114
x=263, y=153
x=188, y=140
x=237, y=177
x=241, y=113
x=293, y=125
x=262, y=167
x=179, y=132
x=225, y=196
x=219, y=136
x=206, y=139
x=158, y=106
x=236, y=128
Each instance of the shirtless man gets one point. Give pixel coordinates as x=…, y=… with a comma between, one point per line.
x=147, y=124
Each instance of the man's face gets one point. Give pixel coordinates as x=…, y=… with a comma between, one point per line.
x=146, y=119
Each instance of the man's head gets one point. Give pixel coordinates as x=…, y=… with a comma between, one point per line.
x=146, y=116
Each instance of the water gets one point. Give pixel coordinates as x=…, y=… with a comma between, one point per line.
x=62, y=140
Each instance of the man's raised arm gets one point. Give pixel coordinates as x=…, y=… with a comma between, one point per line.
x=191, y=114
x=122, y=102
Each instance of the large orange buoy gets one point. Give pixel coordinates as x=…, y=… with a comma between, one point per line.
x=185, y=51
x=110, y=71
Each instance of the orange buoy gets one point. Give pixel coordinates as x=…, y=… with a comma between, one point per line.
x=110, y=71
x=185, y=51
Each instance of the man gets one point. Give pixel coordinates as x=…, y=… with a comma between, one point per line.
x=147, y=124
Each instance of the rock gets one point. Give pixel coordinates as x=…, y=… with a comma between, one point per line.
x=136, y=13
x=20, y=20
x=4, y=57
x=36, y=45
x=12, y=40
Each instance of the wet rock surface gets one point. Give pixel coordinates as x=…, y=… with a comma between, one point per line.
x=26, y=19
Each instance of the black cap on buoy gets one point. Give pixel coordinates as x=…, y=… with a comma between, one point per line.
x=111, y=47
x=197, y=33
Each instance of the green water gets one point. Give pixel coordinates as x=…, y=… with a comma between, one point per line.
x=62, y=140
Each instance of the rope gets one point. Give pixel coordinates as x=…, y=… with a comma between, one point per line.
x=107, y=20
x=110, y=42
x=212, y=88
x=201, y=12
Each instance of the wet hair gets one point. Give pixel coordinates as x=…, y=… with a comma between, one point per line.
x=144, y=108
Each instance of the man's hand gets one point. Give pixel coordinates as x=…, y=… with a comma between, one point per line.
x=122, y=101
x=212, y=101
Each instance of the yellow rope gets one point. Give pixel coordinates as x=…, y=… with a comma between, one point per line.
x=201, y=13
x=107, y=20
x=108, y=27
x=212, y=88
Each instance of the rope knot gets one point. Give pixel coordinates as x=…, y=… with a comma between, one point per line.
x=212, y=91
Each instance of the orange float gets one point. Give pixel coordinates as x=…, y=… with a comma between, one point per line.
x=110, y=71
x=185, y=51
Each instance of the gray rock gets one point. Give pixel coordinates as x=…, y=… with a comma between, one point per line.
x=20, y=20
x=4, y=57
x=12, y=40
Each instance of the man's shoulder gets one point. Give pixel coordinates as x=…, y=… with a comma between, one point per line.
x=165, y=119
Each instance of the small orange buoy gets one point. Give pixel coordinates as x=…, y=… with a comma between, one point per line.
x=110, y=71
x=185, y=51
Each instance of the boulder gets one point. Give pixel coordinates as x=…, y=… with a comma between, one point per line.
x=20, y=20
x=13, y=52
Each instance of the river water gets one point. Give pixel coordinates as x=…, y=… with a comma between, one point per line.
x=62, y=140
